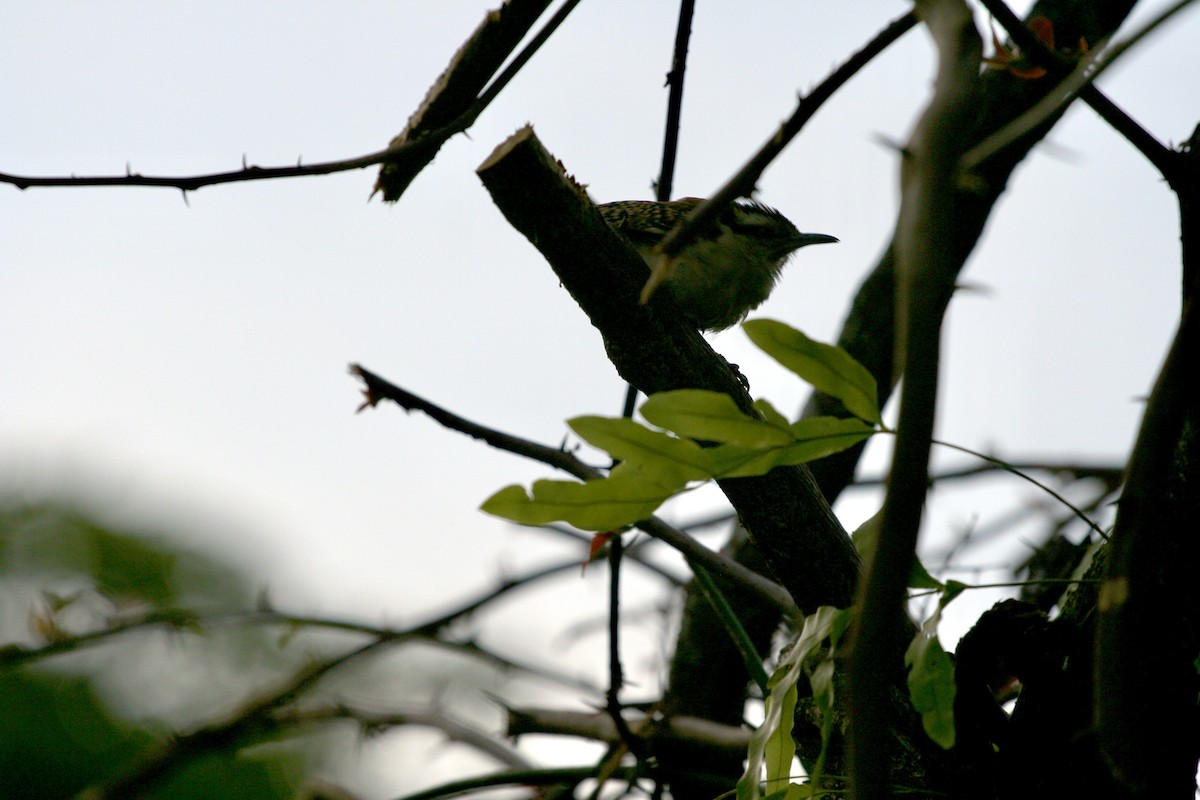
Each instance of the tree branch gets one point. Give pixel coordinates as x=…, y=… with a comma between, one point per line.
x=925, y=267
x=456, y=95
x=868, y=332
x=767, y=590
x=1075, y=80
x=1149, y=603
x=655, y=349
x=452, y=105
x=600, y=727
x=745, y=181
x=376, y=721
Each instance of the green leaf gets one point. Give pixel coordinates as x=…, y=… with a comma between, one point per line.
x=931, y=682
x=122, y=563
x=770, y=413
x=771, y=744
x=668, y=459
x=711, y=416
x=800, y=791
x=815, y=438
x=780, y=748
x=951, y=590
x=865, y=538
x=738, y=461
x=919, y=577
x=604, y=504
x=829, y=369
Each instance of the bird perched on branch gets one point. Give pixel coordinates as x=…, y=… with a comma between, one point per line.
x=730, y=269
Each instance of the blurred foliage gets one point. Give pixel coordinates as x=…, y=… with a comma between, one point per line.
x=59, y=734
x=50, y=540
x=59, y=737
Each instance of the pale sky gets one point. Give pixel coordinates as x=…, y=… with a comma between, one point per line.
x=183, y=364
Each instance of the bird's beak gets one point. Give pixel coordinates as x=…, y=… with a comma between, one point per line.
x=814, y=238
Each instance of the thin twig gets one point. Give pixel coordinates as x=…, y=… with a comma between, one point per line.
x=666, y=173
x=616, y=675
x=379, y=389
x=1079, y=83
x=251, y=173
x=375, y=721
x=1009, y=468
x=1060, y=66
x=744, y=182
x=925, y=265
x=245, y=722
x=683, y=34
x=416, y=150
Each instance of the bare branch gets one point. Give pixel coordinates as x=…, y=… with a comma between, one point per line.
x=924, y=259
x=745, y=181
x=452, y=106
x=1079, y=82
x=683, y=33
x=378, y=721
x=600, y=727
x=455, y=95
x=250, y=173
x=378, y=389
x=1059, y=67
x=654, y=348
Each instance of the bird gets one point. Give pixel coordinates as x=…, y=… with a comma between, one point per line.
x=730, y=269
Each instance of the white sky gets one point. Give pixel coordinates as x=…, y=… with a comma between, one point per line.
x=186, y=362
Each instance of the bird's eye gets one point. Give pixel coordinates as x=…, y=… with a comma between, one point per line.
x=759, y=228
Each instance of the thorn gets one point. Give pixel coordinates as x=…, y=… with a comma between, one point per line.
x=659, y=274
x=244, y=166
x=128, y=170
x=185, y=198
x=890, y=143
x=299, y=161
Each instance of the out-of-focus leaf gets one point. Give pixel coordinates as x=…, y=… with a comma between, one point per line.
x=59, y=737
x=125, y=566
x=866, y=536
x=770, y=414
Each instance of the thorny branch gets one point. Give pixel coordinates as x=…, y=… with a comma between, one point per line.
x=409, y=152
x=744, y=182
x=926, y=264
x=1076, y=80
x=377, y=721
x=428, y=633
x=379, y=389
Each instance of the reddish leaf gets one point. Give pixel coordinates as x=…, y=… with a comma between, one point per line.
x=598, y=542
